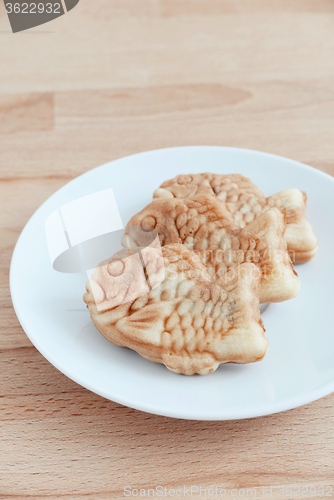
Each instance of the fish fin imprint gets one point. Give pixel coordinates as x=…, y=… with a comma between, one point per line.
x=267, y=247
x=301, y=240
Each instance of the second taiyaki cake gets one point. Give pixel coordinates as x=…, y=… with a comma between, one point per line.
x=205, y=226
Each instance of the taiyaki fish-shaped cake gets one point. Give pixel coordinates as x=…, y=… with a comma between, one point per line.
x=246, y=202
x=190, y=321
x=205, y=226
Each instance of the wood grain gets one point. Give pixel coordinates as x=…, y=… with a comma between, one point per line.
x=26, y=112
x=116, y=77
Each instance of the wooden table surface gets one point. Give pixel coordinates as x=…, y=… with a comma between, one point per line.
x=112, y=78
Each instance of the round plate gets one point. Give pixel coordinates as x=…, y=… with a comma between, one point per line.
x=299, y=366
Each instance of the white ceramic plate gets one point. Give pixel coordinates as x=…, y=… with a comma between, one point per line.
x=299, y=366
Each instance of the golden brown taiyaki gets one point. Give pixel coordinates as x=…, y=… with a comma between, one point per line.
x=205, y=226
x=246, y=202
x=190, y=321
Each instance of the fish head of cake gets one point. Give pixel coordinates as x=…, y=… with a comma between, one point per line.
x=178, y=221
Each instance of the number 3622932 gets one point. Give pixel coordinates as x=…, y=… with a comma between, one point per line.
x=33, y=8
